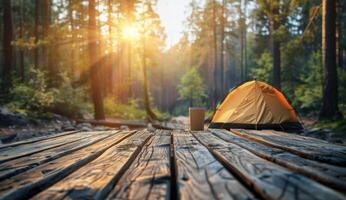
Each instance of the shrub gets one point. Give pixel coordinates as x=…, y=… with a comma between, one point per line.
x=71, y=101
x=31, y=97
x=123, y=111
x=35, y=100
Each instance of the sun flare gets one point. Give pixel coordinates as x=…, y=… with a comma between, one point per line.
x=130, y=32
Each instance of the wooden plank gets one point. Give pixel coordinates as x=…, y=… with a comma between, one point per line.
x=96, y=179
x=149, y=175
x=23, y=164
x=269, y=180
x=302, y=138
x=316, y=150
x=330, y=175
x=24, y=185
x=200, y=175
x=12, y=153
x=36, y=139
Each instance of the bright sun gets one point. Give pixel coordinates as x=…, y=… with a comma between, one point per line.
x=130, y=32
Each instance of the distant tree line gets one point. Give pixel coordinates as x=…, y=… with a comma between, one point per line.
x=86, y=41
x=297, y=46
x=116, y=49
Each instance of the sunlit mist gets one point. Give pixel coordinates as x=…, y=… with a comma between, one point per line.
x=130, y=32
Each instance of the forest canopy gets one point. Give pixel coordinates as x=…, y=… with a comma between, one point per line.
x=110, y=58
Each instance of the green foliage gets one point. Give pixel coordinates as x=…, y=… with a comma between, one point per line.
x=71, y=101
x=123, y=111
x=263, y=70
x=31, y=97
x=161, y=115
x=130, y=111
x=293, y=63
x=181, y=110
x=342, y=90
x=34, y=99
x=191, y=88
x=308, y=94
x=338, y=126
x=209, y=114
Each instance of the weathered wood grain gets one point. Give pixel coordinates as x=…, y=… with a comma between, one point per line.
x=310, y=148
x=329, y=175
x=294, y=136
x=96, y=179
x=22, y=164
x=200, y=175
x=149, y=175
x=11, y=153
x=269, y=180
x=36, y=139
x=24, y=185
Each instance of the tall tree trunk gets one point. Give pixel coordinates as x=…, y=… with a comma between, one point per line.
x=162, y=88
x=276, y=48
x=21, y=51
x=222, y=40
x=330, y=108
x=37, y=18
x=7, y=47
x=215, y=54
x=73, y=43
x=46, y=51
x=339, y=33
x=245, y=41
x=93, y=55
x=150, y=114
x=241, y=33
x=276, y=64
x=110, y=62
x=129, y=16
x=129, y=63
x=118, y=70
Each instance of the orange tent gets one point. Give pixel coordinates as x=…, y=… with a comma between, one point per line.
x=255, y=105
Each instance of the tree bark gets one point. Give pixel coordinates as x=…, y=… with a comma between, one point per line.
x=129, y=15
x=241, y=33
x=21, y=51
x=245, y=41
x=37, y=18
x=73, y=43
x=150, y=114
x=276, y=49
x=48, y=64
x=222, y=40
x=7, y=47
x=110, y=60
x=94, y=72
x=215, y=54
x=329, y=108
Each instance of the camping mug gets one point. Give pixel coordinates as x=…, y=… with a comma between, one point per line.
x=196, y=118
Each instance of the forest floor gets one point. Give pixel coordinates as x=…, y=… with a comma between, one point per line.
x=15, y=127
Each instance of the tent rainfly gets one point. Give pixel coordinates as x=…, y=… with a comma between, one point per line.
x=255, y=105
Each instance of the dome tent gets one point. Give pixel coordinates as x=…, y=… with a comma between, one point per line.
x=255, y=105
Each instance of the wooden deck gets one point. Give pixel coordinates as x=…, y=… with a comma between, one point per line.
x=165, y=164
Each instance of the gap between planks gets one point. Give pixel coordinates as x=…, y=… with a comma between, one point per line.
x=329, y=175
x=267, y=179
x=317, y=150
x=23, y=164
x=149, y=175
x=96, y=179
x=37, y=139
x=200, y=175
x=33, y=181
